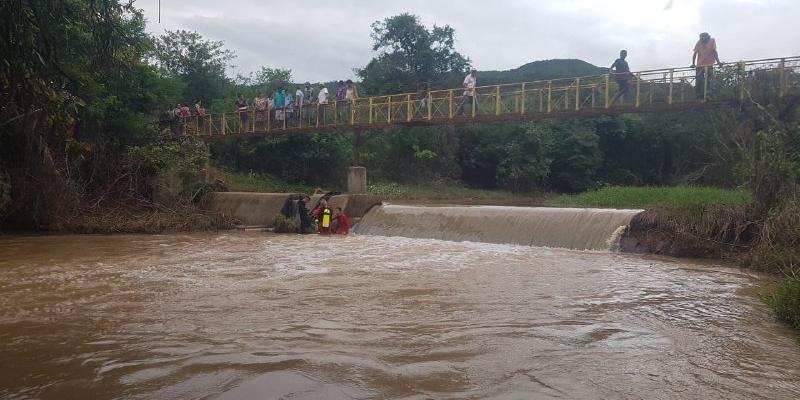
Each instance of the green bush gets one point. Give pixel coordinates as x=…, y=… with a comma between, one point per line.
x=785, y=300
x=778, y=250
x=526, y=166
x=286, y=225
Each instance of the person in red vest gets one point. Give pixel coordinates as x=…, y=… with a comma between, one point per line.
x=341, y=222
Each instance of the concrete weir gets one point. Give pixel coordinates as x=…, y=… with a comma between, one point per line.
x=260, y=209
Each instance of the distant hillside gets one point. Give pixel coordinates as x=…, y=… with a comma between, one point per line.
x=540, y=70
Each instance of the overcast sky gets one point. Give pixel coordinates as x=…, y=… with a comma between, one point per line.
x=322, y=40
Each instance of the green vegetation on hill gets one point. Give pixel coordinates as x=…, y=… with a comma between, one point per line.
x=643, y=197
x=540, y=70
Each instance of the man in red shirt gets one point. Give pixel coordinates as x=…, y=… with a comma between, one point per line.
x=705, y=54
x=341, y=222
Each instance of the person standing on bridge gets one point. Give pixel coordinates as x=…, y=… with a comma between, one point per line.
x=469, y=93
x=261, y=105
x=622, y=75
x=705, y=54
x=322, y=101
x=341, y=92
x=280, y=104
x=350, y=96
x=200, y=112
x=241, y=108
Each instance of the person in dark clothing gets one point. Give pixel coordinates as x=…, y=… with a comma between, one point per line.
x=622, y=75
x=305, y=216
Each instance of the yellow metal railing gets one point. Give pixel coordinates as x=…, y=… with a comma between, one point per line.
x=587, y=94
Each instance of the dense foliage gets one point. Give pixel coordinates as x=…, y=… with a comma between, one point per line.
x=410, y=54
x=79, y=98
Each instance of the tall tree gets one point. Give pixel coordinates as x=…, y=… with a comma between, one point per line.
x=266, y=79
x=73, y=92
x=201, y=63
x=408, y=54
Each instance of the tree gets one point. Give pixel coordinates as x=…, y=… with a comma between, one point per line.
x=528, y=158
x=199, y=62
x=409, y=53
x=74, y=92
x=266, y=79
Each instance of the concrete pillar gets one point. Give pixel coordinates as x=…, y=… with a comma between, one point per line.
x=357, y=180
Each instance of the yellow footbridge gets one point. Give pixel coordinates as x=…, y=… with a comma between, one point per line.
x=660, y=90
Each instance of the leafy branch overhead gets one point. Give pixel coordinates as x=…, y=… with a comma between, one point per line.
x=410, y=54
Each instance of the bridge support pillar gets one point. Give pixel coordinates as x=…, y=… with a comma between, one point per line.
x=357, y=180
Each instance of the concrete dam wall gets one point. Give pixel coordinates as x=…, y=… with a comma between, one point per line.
x=260, y=209
x=573, y=228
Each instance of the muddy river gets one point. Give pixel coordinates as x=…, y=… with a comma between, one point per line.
x=262, y=316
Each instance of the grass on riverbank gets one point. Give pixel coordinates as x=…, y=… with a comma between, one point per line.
x=265, y=183
x=252, y=182
x=785, y=300
x=643, y=197
x=396, y=191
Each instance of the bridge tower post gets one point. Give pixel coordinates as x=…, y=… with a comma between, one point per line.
x=497, y=100
x=638, y=89
x=671, y=78
x=450, y=103
x=522, y=101
x=356, y=174
x=782, y=78
x=740, y=77
x=577, y=94
x=474, y=102
x=607, y=103
x=430, y=106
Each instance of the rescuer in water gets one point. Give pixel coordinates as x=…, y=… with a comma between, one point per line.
x=324, y=217
x=305, y=215
x=341, y=224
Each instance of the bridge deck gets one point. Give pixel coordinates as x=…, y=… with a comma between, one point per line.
x=663, y=90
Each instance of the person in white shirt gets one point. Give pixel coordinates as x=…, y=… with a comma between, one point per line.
x=322, y=100
x=298, y=97
x=469, y=91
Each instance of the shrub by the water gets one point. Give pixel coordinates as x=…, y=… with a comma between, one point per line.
x=286, y=225
x=785, y=300
x=778, y=252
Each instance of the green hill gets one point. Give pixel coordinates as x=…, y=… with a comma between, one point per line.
x=540, y=70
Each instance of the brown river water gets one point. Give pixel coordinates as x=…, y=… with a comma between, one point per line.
x=253, y=315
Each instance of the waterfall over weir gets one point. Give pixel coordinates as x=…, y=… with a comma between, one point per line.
x=572, y=228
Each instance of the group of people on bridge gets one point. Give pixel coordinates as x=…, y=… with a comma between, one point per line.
x=303, y=102
x=703, y=59
x=283, y=105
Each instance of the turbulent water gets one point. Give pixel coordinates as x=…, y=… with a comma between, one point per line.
x=255, y=315
x=572, y=228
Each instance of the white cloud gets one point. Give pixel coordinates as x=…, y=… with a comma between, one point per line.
x=324, y=40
